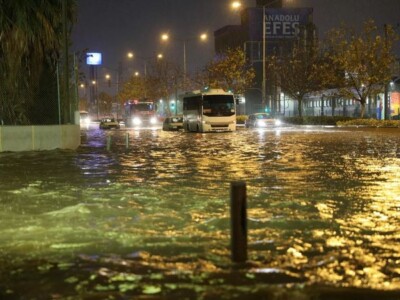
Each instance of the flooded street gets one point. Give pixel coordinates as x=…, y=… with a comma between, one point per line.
x=153, y=218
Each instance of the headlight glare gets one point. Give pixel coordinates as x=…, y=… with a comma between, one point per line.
x=136, y=121
x=153, y=120
x=260, y=123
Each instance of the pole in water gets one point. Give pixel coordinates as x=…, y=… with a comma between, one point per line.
x=127, y=140
x=108, y=142
x=238, y=222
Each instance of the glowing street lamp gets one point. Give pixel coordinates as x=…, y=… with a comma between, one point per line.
x=164, y=37
x=202, y=37
x=108, y=78
x=236, y=5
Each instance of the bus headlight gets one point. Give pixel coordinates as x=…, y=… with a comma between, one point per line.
x=153, y=120
x=136, y=121
x=278, y=122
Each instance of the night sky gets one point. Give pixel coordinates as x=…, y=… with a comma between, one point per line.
x=114, y=27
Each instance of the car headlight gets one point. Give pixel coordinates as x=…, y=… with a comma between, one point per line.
x=153, y=120
x=278, y=122
x=136, y=121
x=85, y=120
x=260, y=123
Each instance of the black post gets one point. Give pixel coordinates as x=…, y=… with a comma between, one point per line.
x=238, y=222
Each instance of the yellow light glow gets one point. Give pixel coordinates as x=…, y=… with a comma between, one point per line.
x=164, y=37
x=203, y=36
x=236, y=5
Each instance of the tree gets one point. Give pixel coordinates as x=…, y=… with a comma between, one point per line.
x=29, y=43
x=364, y=61
x=300, y=71
x=135, y=88
x=230, y=70
x=165, y=79
x=105, y=104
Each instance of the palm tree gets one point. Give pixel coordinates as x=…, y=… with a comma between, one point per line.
x=30, y=41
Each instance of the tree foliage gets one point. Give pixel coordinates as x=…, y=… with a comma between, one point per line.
x=299, y=72
x=362, y=60
x=30, y=41
x=163, y=79
x=105, y=103
x=135, y=88
x=230, y=70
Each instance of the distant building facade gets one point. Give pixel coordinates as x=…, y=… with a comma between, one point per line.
x=282, y=27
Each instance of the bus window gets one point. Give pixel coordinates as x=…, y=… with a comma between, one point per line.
x=218, y=105
x=192, y=103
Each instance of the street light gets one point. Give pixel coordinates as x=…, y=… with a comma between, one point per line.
x=236, y=5
x=145, y=60
x=108, y=78
x=202, y=37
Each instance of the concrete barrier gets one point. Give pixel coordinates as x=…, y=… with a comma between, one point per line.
x=40, y=137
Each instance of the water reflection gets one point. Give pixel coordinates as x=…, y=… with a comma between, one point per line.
x=322, y=204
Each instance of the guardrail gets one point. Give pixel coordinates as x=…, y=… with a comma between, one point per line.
x=39, y=137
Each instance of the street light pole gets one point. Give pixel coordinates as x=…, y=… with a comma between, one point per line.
x=263, y=85
x=264, y=39
x=166, y=37
x=184, y=64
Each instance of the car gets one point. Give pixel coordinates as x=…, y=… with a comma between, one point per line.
x=261, y=120
x=173, y=123
x=108, y=123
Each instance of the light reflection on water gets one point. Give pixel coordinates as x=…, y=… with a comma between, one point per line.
x=323, y=204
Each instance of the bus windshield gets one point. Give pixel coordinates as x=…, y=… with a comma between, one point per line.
x=218, y=105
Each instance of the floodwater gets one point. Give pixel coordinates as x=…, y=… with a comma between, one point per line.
x=153, y=219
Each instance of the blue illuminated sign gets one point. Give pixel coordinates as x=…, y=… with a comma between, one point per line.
x=93, y=58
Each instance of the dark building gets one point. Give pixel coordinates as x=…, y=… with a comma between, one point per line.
x=282, y=27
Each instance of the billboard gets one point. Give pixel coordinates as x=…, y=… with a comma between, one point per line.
x=395, y=104
x=93, y=58
x=280, y=23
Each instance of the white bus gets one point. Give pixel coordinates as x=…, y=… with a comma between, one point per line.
x=208, y=111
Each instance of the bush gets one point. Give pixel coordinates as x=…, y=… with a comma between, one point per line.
x=315, y=120
x=241, y=118
x=370, y=123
